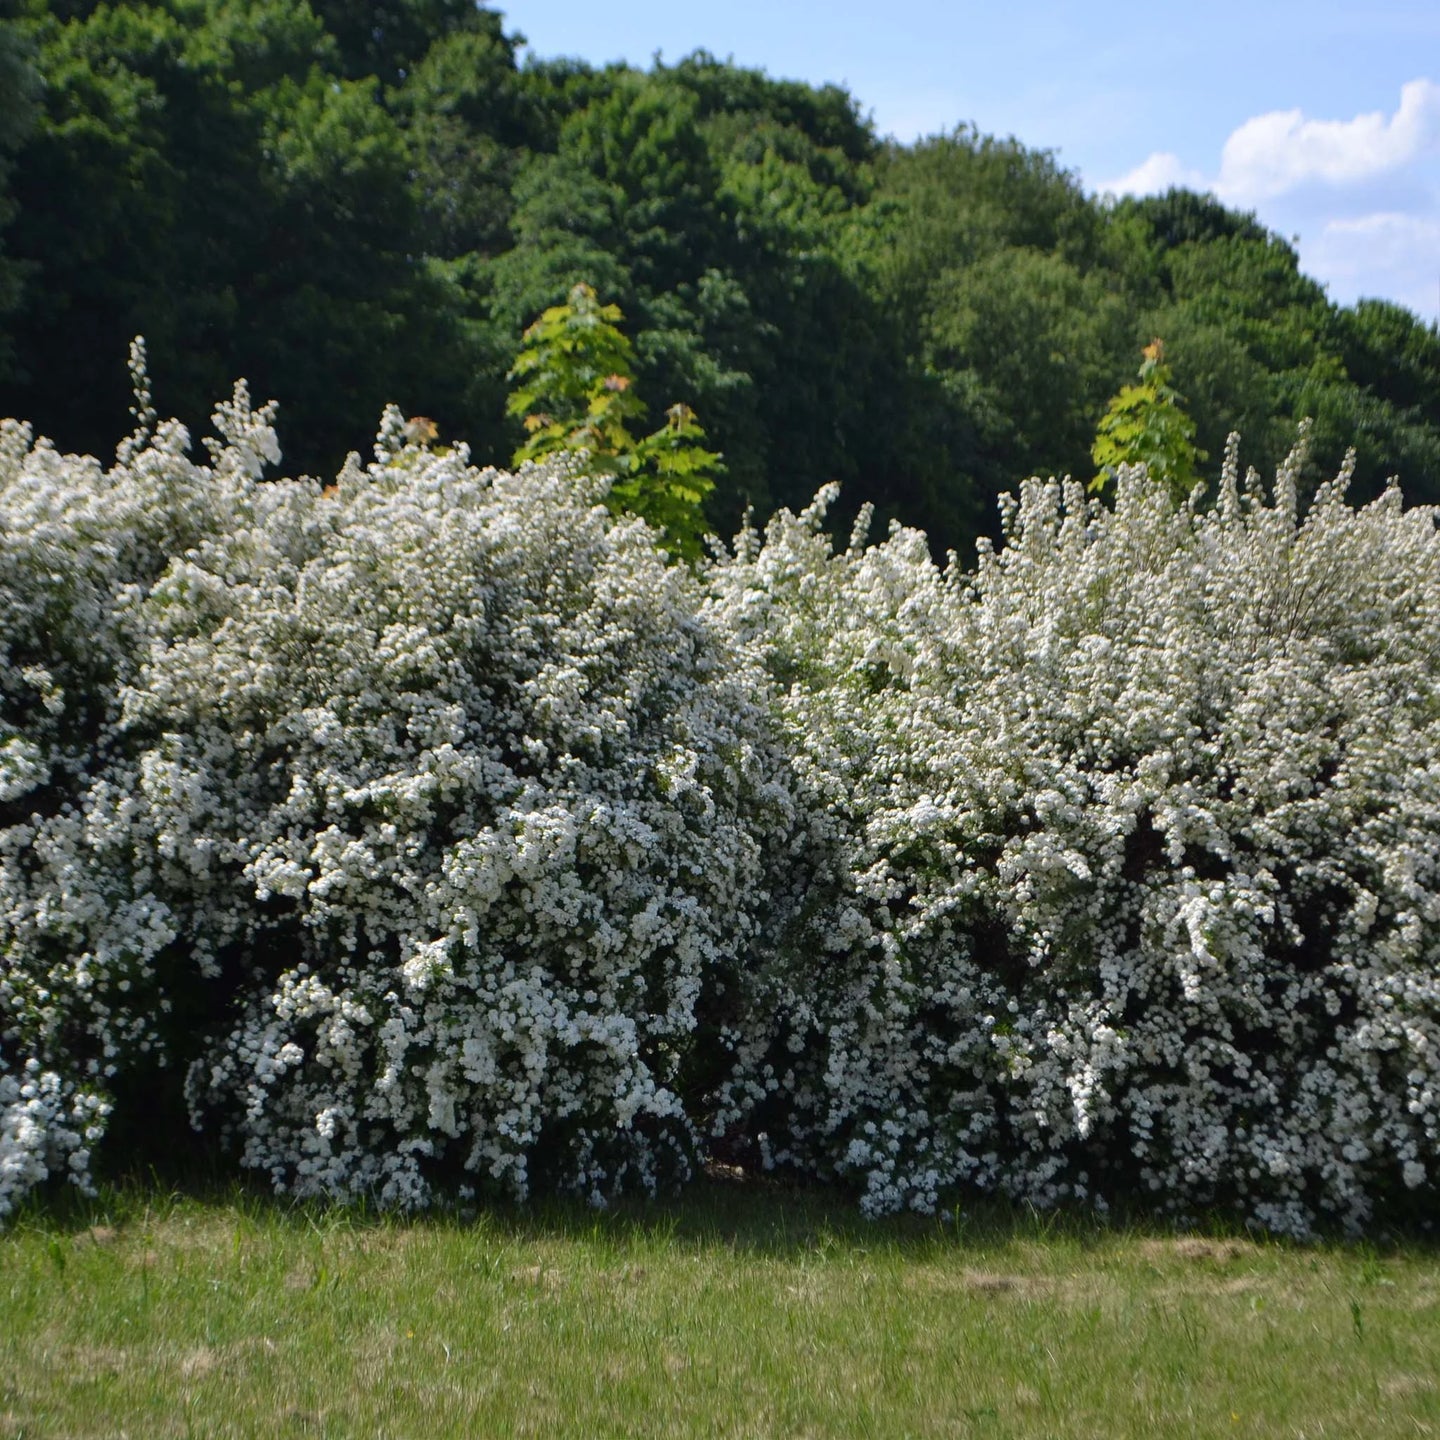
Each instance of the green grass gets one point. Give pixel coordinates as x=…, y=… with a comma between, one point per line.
x=737, y=1311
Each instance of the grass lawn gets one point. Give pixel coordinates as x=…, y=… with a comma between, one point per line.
x=740, y=1310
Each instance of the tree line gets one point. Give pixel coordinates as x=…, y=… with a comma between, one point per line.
x=353, y=204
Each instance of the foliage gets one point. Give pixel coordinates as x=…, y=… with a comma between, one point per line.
x=19, y=90
x=573, y=382
x=359, y=204
x=1145, y=424
x=575, y=393
x=209, y=175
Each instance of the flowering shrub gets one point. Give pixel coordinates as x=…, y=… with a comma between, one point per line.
x=430, y=828
x=1138, y=830
x=432, y=787
x=81, y=925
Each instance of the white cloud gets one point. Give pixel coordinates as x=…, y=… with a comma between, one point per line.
x=1358, y=196
x=1162, y=171
x=1279, y=151
x=1389, y=254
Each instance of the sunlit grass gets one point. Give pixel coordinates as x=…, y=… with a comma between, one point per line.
x=740, y=1311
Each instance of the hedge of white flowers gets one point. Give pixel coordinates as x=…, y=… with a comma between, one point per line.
x=434, y=834
x=1140, y=826
x=432, y=787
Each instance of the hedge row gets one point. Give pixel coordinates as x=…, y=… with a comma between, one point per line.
x=435, y=835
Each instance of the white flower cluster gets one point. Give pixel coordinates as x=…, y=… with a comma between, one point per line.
x=429, y=792
x=437, y=831
x=80, y=929
x=1137, y=839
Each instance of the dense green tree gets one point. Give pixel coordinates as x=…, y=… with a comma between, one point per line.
x=1392, y=364
x=574, y=390
x=1258, y=347
x=1390, y=352
x=1182, y=217
x=1032, y=343
x=469, y=120
x=1146, y=424
x=356, y=204
x=953, y=199
x=996, y=265
x=200, y=173
x=643, y=141
x=19, y=106
x=386, y=39
x=708, y=219
x=101, y=195
x=1227, y=389
x=19, y=81
x=828, y=118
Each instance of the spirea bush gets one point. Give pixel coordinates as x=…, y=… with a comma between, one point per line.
x=430, y=830
x=1137, y=853
x=420, y=820
x=81, y=927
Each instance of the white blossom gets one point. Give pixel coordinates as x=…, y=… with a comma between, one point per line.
x=479, y=847
x=432, y=791
x=1141, y=816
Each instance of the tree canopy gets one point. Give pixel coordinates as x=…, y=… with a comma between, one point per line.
x=362, y=204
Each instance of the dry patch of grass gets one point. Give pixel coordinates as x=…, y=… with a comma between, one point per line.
x=1197, y=1249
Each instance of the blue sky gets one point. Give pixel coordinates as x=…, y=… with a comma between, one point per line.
x=1323, y=118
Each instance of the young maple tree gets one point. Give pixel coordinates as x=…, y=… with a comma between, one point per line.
x=1145, y=424
x=575, y=392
